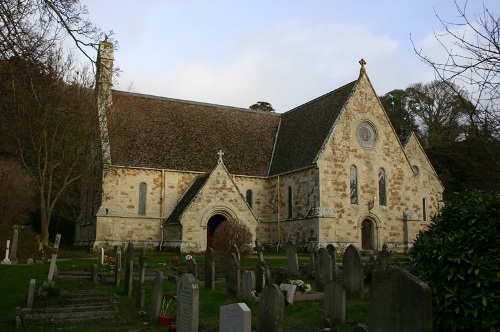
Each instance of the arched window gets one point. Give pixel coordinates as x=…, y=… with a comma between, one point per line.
x=424, y=209
x=382, y=193
x=142, y=198
x=290, y=203
x=353, y=174
x=249, y=197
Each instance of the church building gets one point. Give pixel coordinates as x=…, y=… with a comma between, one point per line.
x=331, y=170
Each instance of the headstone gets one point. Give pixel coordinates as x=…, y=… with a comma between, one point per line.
x=290, y=292
x=30, y=261
x=187, y=304
x=6, y=260
x=102, y=256
x=271, y=309
x=262, y=276
x=118, y=258
x=332, y=251
x=141, y=293
x=311, y=265
x=210, y=268
x=361, y=328
x=118, y=268
x=369, y=267
x=233, y=277
x=235, y=317
x=13, y=247
x=335, y=303
x=192, y=267
x=248, y=284
x=157, y=296
x=399, y=302
x=93, y=273
x=353, y=272
x=31, y=294
x=129, y=269
x=234, y=250
x=384, y=257
x=323, y=269
x=260, y=251
x=52, y=268
x=291, y=259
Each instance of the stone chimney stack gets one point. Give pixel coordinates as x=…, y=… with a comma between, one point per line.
x=104, y=99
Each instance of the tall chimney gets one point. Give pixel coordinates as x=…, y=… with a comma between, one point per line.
x=104, y=83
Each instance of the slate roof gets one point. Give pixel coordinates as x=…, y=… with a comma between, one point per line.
x=304, y=129
x=155, y=132
x=179, y=209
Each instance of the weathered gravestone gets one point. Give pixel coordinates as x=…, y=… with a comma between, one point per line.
x=332, y=251
x=248, y=284
x=93, y=272
x=118, y=268
x=234, y=250
x=323, y=269
x=157, y=296
x=13, y=247
x=129, y=269
x=187, y=304
x=353, y=272
x=235, y=317
x=271, y=309
x=233, y=276
x=384, y=257
x=399, y=302
x=31, y=294
x=260, y=251
x=49, y=283
x=288, y=292
x=260, y=277
x=291, y=259
x=141, y=291
x=311, y=266
x=192, y=267
x=335, y=303
x=210, y=268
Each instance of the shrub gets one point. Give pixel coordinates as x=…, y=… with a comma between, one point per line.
x=228, y=233
x=459, y=258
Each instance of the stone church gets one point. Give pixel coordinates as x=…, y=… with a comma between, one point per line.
x=329, y=171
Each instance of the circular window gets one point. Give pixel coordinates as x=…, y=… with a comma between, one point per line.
x=366, y=134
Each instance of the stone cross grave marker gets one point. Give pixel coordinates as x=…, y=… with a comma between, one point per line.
x=353, y=272
x=210, y=268
x=129, y=269
x=335, y=303
x=332, y=251
x=262, y=276
x=192, y=267
x=235, y=317
x=248, y=284
x=271, y=309
x=291, y=259
x=49, y=283
x=260, y=251
x=233, y=276
x=323, y=269
x=157, y=296
x=187, y=304
x=6, y=260
x=13, y=247
x=399, y=301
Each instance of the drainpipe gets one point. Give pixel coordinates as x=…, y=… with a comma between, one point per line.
x=279, y=228
x=162, y=200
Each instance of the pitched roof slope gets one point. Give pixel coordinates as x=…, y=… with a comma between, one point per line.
x=156, y=132
x=304, y=129
x=189, y=195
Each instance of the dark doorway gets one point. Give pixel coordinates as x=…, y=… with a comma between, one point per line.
x=212, y=225
x=367, y=235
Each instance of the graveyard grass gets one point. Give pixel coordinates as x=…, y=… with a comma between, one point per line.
x=15, y=281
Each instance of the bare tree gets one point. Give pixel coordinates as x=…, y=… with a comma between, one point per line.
x=472, y=68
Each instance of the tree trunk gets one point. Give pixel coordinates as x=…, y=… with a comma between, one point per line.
x=44, y=221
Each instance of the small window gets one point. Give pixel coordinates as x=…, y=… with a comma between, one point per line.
x=142, y=198
x=424, y=209
x=382, y=193
x=353, y=174
x=290, y=203
x=249, y=197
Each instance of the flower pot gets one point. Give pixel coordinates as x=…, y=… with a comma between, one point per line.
x=164, y=321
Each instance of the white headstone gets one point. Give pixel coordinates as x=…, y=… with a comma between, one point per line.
x=102, y=256
x=235, y=317
x=290, y=291
x=6, y=260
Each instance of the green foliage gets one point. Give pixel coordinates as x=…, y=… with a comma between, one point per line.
x=459, y=258
x=262, y=106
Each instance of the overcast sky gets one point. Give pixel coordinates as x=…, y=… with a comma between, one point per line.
x=285, y=52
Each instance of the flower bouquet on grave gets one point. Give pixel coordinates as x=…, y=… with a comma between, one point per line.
x=301, y=286
x=166, y=316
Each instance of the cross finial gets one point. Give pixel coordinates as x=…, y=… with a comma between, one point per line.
x=362, y=62
x=220, y=153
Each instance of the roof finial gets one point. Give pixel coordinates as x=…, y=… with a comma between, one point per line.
x=362, y=62
x=220, y=153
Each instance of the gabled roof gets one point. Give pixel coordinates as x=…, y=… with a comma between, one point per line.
x=164, y=133
x=155, y=132
x=304, y=129
x=181, y=206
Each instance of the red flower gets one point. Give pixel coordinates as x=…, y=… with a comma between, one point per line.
x=175, y=258
x=110, y=260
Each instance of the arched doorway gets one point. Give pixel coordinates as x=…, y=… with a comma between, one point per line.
x=367, y=235
x=212, y=225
